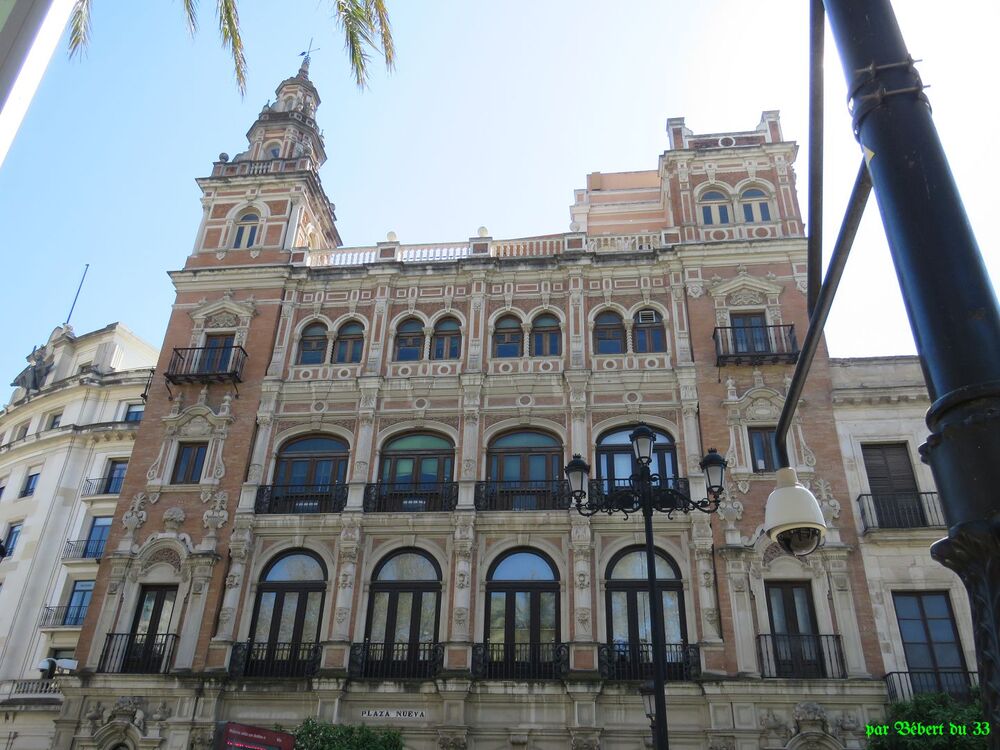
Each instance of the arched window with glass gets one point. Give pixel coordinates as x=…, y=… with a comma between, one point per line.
x=409, y=341
x=546, y=336
x=714, y=207
x=755, y=206
x=401, y=635
x=508, y=338
x=648, y=333
x=616, y=460
x=246, y=230
x=349, y=343
x=629, y=653
x=446, y=342
x=523, y=472
x=312, y=345
x=522, y=620
x=284, y=630
x=310, y=476
x=609, y=333
x=415, y=474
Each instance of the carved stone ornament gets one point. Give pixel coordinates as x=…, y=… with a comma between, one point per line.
x=582, y=579
x=342, y=614
x=695, y=289
x=722, y=743
x=136, y=514
x=585, y=743
x=773, y=724
x=583, y=617
x=232, y=581
x=346, y=580
x=461, y=616
x=452, y=742
x=809, y=716
x=201, y=738
x=745, y=297
x=173, y=518
x=222, y=320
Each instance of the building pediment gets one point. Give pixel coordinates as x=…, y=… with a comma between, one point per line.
x=744, y=289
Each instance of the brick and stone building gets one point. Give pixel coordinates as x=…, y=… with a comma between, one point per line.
x=65, y=440
x=346, y=499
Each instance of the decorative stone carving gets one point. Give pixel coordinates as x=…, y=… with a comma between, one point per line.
x=582, y=579
x=201, y=739
x=342, y=614
x=722, y=743
x=160, y=713
x=774, y=726
x=452, y=742
x=173, y=518
x=217, y=516
x=695, y=289
x=254, y=473
x=745, y=297
x=731, y=510
x=135, y=516
x=222, y=320
x=585, y=743
x=232, y=581
x=583, y=617
x=809, y=717
x=827, y=502
x=346, y=580
x=461, y=617
x=462, y=579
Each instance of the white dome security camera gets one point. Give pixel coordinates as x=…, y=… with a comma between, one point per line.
x=793, y=518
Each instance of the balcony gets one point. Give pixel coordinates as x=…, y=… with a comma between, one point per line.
x=288, y=659
x=523, y=495
x=134, y=653
x=29, y=691
x=960, y=685
x=801, y=657
x=396, y=661
x=627, y=661
x=205, y=364
x=63, y=617
x=103, y=486
x=419, y=497
x=901, y=510
x=755, y=345
x=278, y=499
x=668, y=493
x=520, y=661
x=84, y=549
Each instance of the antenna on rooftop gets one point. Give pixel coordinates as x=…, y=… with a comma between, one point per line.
x=77, y=295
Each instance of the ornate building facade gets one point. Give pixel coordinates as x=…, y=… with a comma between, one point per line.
x=347, y=502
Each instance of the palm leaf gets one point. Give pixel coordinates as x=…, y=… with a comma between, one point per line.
x=79, y=27
x=229, y=29
x=356, y=24
x=378, y=14
x=191, y=13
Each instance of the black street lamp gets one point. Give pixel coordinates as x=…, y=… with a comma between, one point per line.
x=647, y=492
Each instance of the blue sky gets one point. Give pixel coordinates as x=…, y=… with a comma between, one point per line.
x=496, y=112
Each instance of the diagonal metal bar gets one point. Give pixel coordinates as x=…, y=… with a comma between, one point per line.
x=848, y=230
x=814, y=265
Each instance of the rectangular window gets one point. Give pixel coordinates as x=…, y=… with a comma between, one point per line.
x=3, y=486
x=79, y=601
x=189, y=463
x=85, y=367
x=749, y=332
x=763, y=448
x=10, y=543
x=795, y=646
x=894, y=493
x=217, y=353
x=930, y=642
x=115, y=476
x=98, y=537
x=30, y=483
x=55, y=420
x=706, y=214
x=134, y=412
x=22, y=432
x=748, y=213
x=723, y=214
x=62, y=653
x=765, y=212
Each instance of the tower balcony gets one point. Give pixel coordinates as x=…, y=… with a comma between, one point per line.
x=204, y=364
x=755, y=345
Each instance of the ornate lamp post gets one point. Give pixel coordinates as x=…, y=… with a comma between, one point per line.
x=647, y=492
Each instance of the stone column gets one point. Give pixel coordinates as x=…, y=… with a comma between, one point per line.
x=239, y=552
x=742, y=610
x=461, y=609
x=350, y=539
x=582, y=547
x=199, y=568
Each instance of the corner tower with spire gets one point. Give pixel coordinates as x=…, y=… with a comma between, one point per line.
x=269, y=199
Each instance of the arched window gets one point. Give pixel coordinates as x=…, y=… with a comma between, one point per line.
x=755, y=206
x=415, y=475
x=349, y=344
x=507, y=337
x=609, y=333
x=403, y=617
x=409, y=341
x=272, y=150
x=714, y=208
x=522, y=618
x=446, y=342
x=312, y=347
x=545, y=336
x=616, y=461
x=524, y=471
x=309, y=477
x=246, y=230
x=284, y=631
x=630, y=640
x=648, y=334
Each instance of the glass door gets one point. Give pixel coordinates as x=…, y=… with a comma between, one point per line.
x=793, y=626
x=218, y=351
x=750, y=333
x=150, y=639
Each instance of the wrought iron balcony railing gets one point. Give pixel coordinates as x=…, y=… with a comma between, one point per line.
x=520, y=661
x=319, y=498
x=206, y=364
x=755, y=345
x=419, y=497
x=275, y=659
x=801, y=656
x=63, y=617
x=960, y=685
x=84, y=549
x=669, y=494
x=396, y=661
x=523, y=495
x=133, y=653
x=634, y=661
x=901, y=510
x=111, y=485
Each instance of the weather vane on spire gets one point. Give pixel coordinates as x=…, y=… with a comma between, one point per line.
x=308, y=53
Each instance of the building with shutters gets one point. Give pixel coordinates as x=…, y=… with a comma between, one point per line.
x=65, y=440
x=347, y=502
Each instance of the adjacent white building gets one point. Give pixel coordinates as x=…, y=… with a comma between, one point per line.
x=65, y=441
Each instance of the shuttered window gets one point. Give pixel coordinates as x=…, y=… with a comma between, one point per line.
x=894, y=491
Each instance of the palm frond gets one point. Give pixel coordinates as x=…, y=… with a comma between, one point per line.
x=79, y=27
x=191, y=14
x=378, y=14
x=229, y=29
x=356, y=24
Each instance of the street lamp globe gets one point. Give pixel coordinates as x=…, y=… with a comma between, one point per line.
x=648, y=692
x=642, y=443
x=714, y=467
x=577, y=472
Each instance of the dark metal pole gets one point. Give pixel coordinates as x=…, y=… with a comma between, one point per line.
x=660, y=741
x=950, y=302
x=814, y=272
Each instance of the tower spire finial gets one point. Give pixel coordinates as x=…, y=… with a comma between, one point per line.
x=306, y=56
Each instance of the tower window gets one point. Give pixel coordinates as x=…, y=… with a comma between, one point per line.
x=714, y=208
x=755, y=206
x=246, y=231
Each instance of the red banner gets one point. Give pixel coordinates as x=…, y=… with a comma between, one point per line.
x=243, y=737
